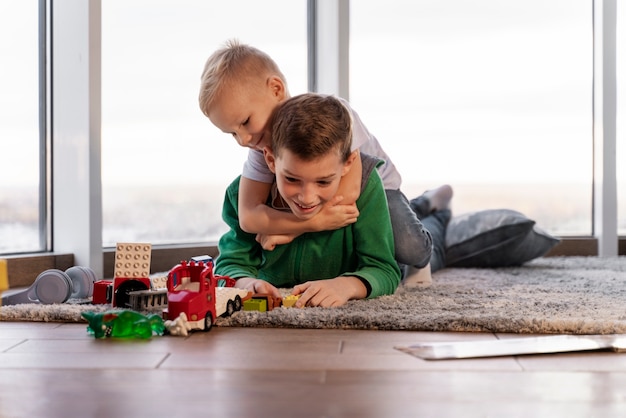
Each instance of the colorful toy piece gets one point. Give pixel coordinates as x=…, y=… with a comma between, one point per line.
x=179, y=326
x=262, y=302
x=4, y=278
x=132, y=260
x=290, y=301
x=123, y=324
x=194, y=290
x=255, y=304
x=132, y=272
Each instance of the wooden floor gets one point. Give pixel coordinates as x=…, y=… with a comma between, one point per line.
x=58, y=370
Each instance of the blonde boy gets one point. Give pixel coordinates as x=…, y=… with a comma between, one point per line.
x=241, y=87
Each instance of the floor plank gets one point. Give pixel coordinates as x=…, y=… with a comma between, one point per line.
x=55, y=370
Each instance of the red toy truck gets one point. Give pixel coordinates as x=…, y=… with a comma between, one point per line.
x=192, y=288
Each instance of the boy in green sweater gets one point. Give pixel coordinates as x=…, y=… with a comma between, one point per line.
x=310, y=153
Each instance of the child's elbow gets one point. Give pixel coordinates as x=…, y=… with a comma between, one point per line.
x=246, y=225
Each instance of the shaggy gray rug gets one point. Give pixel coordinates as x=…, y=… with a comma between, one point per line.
x=564, y=295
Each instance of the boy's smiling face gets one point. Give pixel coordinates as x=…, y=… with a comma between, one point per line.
x=306, y=185
x=244, y=111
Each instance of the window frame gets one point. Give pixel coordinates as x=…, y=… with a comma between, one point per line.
x=74, y=232
x=604, y=206
x=45, y=192
x=76, y=125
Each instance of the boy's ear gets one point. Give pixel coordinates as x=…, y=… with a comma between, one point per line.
x=277, y=87
x=349, y=162
x=270, y=159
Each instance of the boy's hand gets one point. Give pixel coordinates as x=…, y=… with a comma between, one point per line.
x=329, y=293
x=257, y=286
x=269, y=242
x=334, y=215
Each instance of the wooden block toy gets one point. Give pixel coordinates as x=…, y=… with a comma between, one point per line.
x=132, y=260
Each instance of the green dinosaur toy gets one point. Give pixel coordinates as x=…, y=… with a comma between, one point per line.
x=123, y=324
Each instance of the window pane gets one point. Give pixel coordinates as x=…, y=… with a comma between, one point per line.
x=621, y=119
x=165, y=167
x=19, y=127
x=493, y=97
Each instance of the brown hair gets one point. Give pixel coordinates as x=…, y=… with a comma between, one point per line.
x=312, y=125
x=233, y=64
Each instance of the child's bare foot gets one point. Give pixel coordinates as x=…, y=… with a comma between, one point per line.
x=418, y=277
x=439, y=198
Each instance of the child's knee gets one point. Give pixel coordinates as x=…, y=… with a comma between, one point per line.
x=413, y=251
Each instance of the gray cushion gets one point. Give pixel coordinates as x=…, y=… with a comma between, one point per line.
x=495, y=238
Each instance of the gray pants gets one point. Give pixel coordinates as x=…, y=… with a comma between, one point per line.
x=419, y=234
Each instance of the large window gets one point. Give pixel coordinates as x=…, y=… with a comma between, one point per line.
x=493, y=97
x=22, y=218
x=165, y=167
x=621, y=118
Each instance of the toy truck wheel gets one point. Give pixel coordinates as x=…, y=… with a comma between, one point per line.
x=230, y=308
x=238, y=303
x=208, y=321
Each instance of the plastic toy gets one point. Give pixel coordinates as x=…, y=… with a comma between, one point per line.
x=193, y=289
x=55, y=286
x=4, y=278
x=131, y=274
x=179, y=326
x=255, y=305
x=290, y=301
x=147, y=300
x=102, y=292
x=262, y=302
x=123, y=324
x=132, y=260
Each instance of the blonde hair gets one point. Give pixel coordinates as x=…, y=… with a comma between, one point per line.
x=311, y=126
x=235, y=63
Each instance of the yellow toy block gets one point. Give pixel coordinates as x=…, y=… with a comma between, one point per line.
x=4, y=277
x=289, y=301
x=255, y=305
x=132, y=260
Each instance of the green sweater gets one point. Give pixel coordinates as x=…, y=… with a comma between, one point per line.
x=364, y=249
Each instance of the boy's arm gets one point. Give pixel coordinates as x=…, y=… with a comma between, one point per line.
x=349, y=191
x=239, y=254
x=256, y=217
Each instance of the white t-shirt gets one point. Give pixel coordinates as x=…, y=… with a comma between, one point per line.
x=255, y=167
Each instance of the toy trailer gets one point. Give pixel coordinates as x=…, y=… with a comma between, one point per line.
x=147, y=300
x=193, y=289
